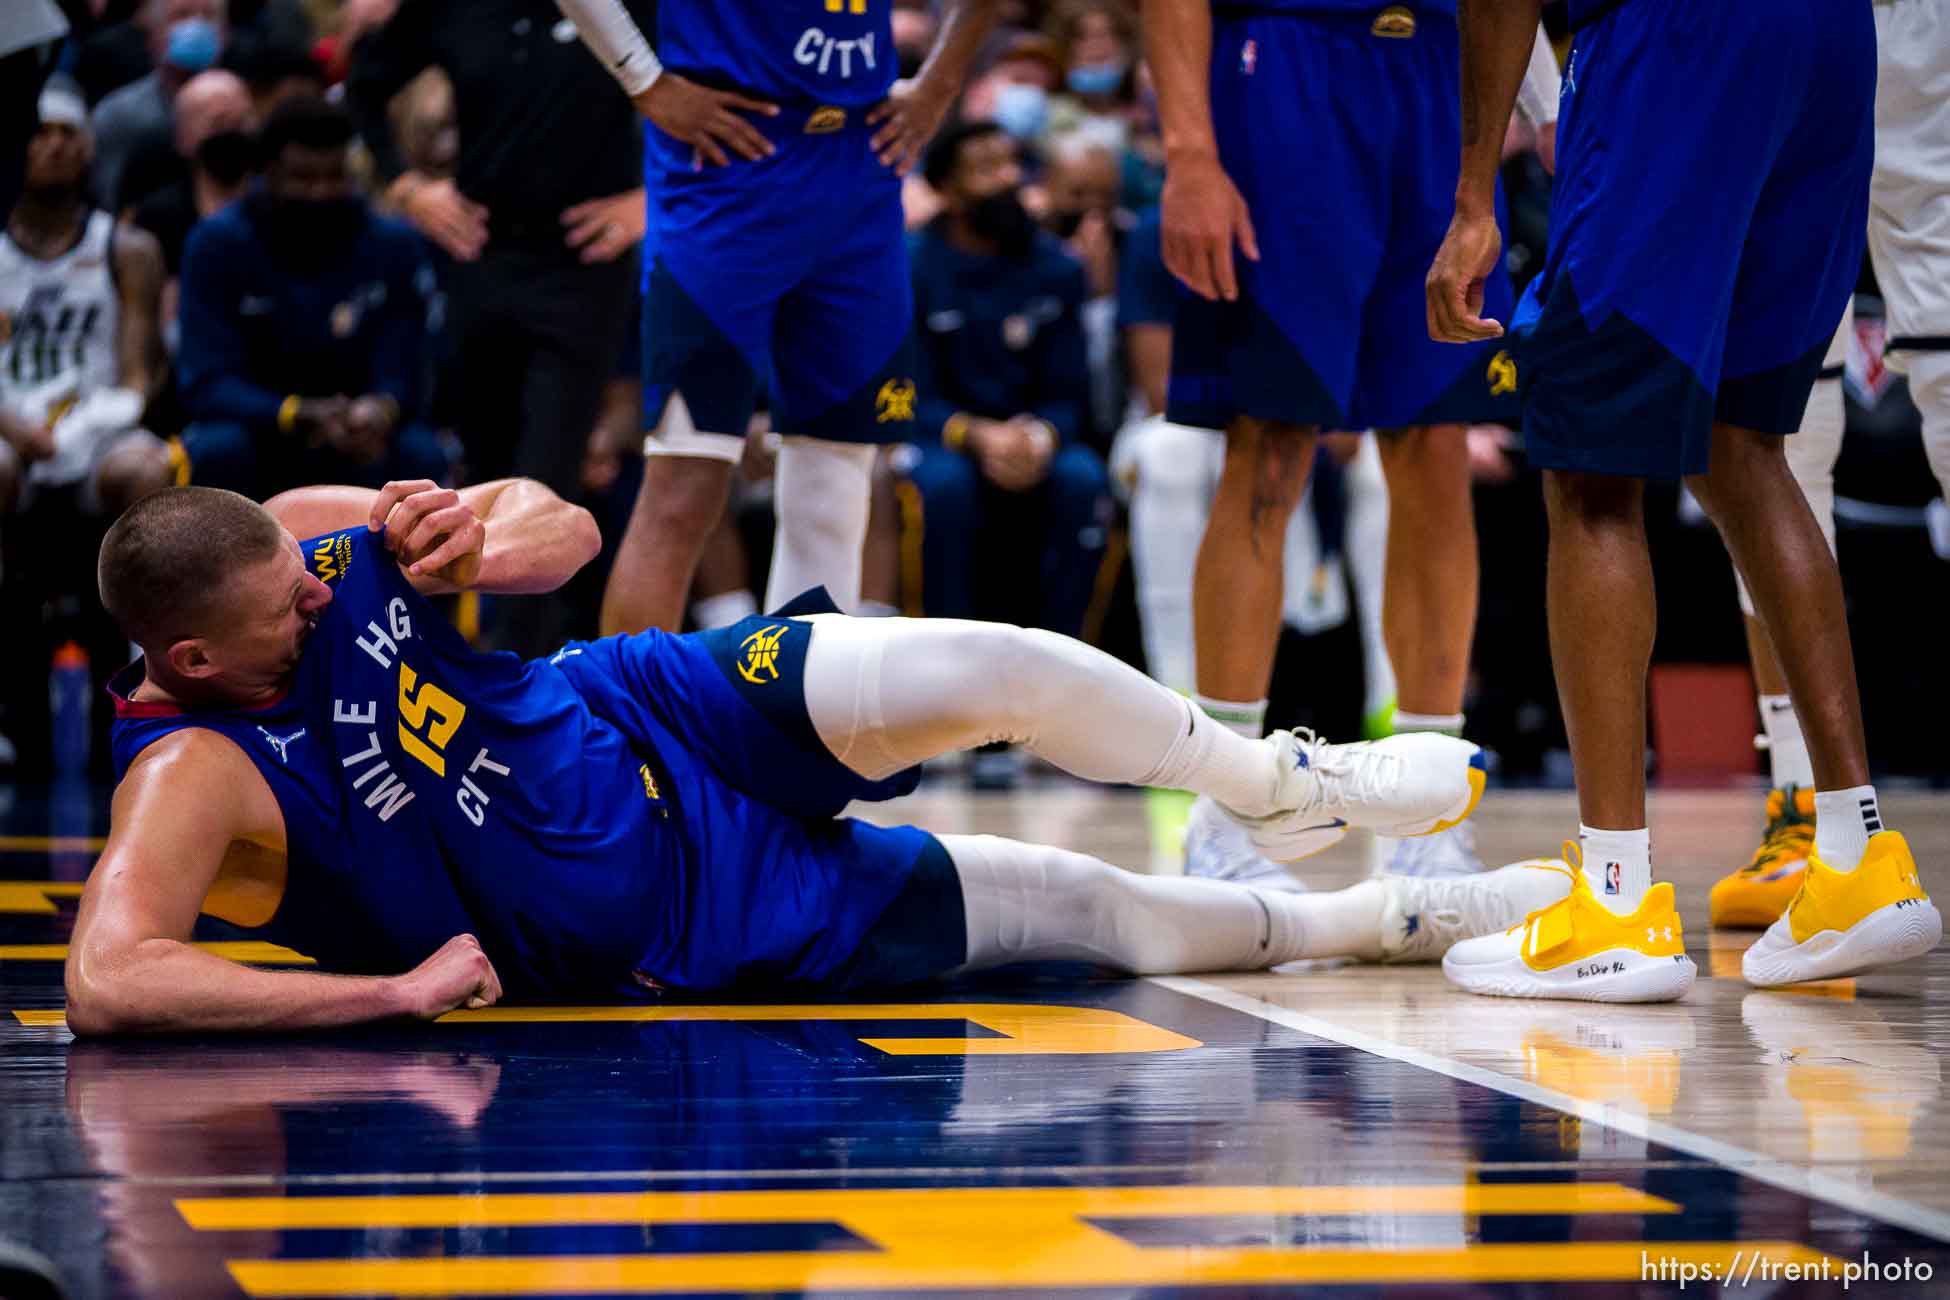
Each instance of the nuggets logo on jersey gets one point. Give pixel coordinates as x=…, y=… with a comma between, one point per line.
x=894, y=401
x=1397, y=22
x=1502, y=373
x=761, y=651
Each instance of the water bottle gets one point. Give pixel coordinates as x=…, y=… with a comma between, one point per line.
x=70, y=692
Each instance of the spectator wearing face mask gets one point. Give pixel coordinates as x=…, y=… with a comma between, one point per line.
x=1015, y=92
x=1010, y=499
x=185, y=37
x=1081, y=188
x=215, y=142
x=304, y=319
x=1096, y=40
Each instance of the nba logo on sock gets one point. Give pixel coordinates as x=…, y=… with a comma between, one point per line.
x=1614, y=877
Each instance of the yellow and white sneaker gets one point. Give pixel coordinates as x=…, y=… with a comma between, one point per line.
x=1846, y=921
x=1579, y=949
x=1754, y=897
x=1413, y=784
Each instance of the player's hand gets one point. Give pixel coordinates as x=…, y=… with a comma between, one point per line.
x=429, y=530
x=908, y=119
x=445, y=215
x=707, y=120
x=1455, y=283
x=459, y=975
x=605, y=229
x=1204, y=216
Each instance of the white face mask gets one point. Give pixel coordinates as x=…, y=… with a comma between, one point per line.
x=1022, y=111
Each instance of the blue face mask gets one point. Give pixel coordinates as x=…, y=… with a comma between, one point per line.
x=194, y=44
x=1022, y=111
x=1097, y=78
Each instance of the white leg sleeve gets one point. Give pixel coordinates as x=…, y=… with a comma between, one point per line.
x=1028, y=902
x=887, y=693
x=823, y=492
x=1929, y=388
x=1176, y=470
x=1811, y=456
x=1366, y=550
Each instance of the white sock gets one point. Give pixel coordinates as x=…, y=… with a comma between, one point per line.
x=1365, y=550
x=1246, y=717
x=1844, y=821
x=886, y=693
x=1787, y=748
x=1175, y=470
x=1030, y=902
x=823, y=492
x=1448, y=724
x=723, y=609
x=1618, y=866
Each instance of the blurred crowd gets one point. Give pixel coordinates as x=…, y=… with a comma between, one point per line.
x=259, y=244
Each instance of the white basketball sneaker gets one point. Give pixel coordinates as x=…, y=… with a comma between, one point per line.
x=1424, y=916
x=1414, y=784
x=1218, y=848
x=1444, y=853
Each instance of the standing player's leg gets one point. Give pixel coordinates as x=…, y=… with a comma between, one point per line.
x=1756, y=894
x=1909, y=223
x=844, y=384
x=700, y=386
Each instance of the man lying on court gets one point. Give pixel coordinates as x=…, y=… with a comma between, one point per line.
x=308, y=750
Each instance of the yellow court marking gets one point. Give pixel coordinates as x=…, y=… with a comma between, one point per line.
x=894, y=1213
x=1027, y=1029
x=946, y=1257
x=35, y=897
x=241, y=950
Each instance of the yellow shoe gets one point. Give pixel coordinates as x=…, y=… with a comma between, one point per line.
x=1578, y=948
x=1846, y=921
x=1754, y=897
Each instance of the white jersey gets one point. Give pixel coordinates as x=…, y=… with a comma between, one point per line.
x=59, y=324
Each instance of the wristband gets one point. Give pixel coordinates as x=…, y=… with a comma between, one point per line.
x=954, y=433
x=288, y=413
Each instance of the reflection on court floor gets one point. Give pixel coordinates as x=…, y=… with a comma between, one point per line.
x=1041, y=1129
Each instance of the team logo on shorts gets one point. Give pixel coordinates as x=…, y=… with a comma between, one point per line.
x=761, y=655
x=650, y=790
x=1249, y=57
x=825, y=120
x=1502, y=373
x=1397, y=22
x=894, y=401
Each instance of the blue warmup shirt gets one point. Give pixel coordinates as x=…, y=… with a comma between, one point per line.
x=430, y=790
x=1301, y=7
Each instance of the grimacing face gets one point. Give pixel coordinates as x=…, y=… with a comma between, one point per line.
x=270, y=609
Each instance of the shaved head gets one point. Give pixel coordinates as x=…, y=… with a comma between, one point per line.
x=166, y=565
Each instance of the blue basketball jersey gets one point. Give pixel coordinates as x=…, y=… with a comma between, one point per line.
x=1388, y=17
x=430, y=790
x=838, y=52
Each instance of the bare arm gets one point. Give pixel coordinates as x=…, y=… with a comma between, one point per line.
x=527, y=538
x=1204, y=216
x=1497, y=38
x=139, y=279
x=913, y=110
x=131, y=967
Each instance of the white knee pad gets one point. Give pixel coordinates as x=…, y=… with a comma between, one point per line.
x=1171, y=472
x=823, y=493
x=1929, y=389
